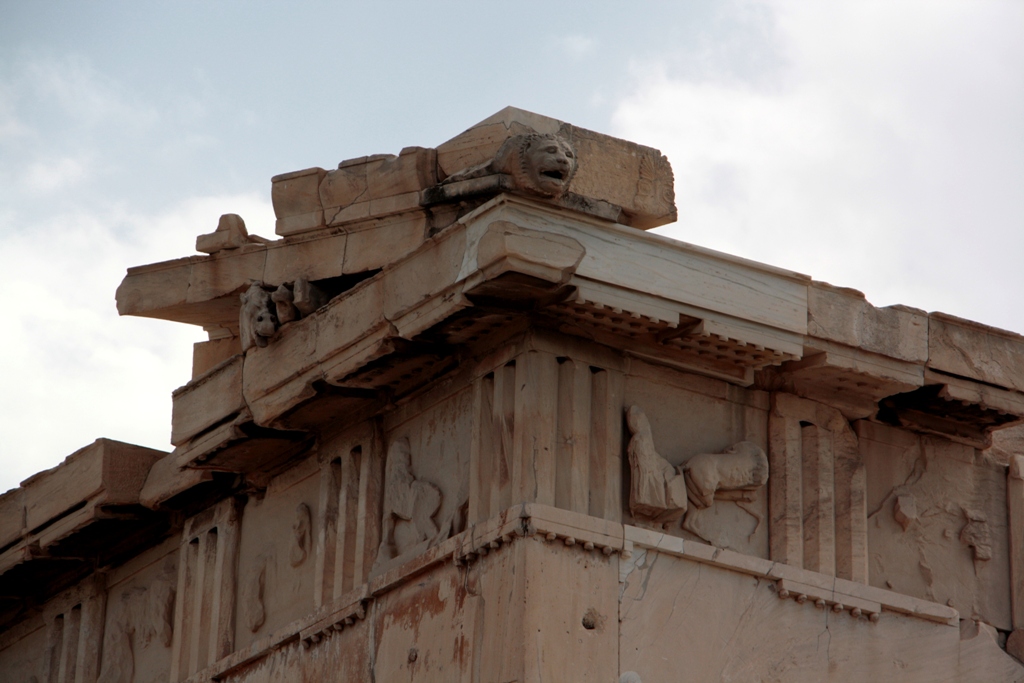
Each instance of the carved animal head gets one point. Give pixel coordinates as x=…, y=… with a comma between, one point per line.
x=284, y=299
x=257, y=320
x=541, y=164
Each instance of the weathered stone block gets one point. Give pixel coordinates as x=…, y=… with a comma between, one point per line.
x=206, y=355
x=675, y=613
x=108, y=471
x=414, y=169
x=845, y=316
x=166, y=480
x=296, y=198
x=154, y=287
x=346, y=185
x=202, y=403
x=374, y=245
x=479, y=143
x=312, y=258
x=969, y=349
x=506, y=247
x=226, y=272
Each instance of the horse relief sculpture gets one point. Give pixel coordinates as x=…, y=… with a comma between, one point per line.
x=406, y=499
x=732, y=475
x=662, y=493
x=264, y=310
x=538, y=164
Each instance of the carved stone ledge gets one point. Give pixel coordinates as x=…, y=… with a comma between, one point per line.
x=829, y=599
x=337, y=621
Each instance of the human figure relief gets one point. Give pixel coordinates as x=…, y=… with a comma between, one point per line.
x=663, y=493
x=657, y=491
x=301, y=535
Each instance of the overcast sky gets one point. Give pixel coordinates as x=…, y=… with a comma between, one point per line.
x=878, y=146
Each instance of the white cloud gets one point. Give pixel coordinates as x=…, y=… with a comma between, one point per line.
x=47, y=176
x=84, y=94
x=11, y=126
x=887, y=155
x=578, y=46
x=73, y=370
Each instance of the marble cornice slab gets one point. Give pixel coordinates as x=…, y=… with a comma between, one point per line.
x=85, y=512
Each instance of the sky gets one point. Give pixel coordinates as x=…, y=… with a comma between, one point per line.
x=872, y=145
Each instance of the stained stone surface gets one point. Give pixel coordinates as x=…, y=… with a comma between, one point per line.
x=715, y=625
x=949, y=483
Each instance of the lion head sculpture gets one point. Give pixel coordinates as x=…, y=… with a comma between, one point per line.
x=539, y=164
x=257, y=320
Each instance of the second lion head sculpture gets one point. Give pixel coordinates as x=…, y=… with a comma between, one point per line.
x=541, y=164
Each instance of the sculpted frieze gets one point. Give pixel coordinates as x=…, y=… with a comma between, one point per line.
x=138, y=617
x=662, y=493
x=406, y=499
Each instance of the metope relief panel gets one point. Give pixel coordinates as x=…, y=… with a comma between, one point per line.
x=409, y=520
x=426, y=473
x=139, y=627
x=204, y=614
x=663, y=495
x=695, y=451
x=938, y=521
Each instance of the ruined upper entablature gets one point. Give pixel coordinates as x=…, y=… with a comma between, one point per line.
x=513, y=151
